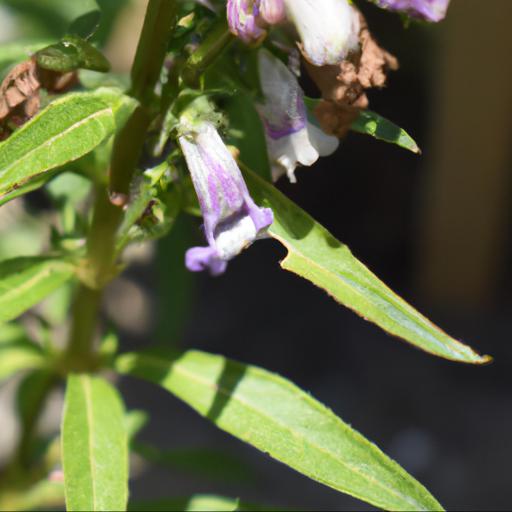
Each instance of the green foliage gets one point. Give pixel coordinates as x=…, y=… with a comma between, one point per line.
x=283, y=421
x=70, y=54
x=370, y=123
x=17, y=351
x=67, y=129
x=106, y=158
x=313, y=253
x=26, y=281
x=94, y=446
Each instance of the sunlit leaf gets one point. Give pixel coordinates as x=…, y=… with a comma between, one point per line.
x=94, y=446
x=26, y=281
x=70, y=54
x=313, y=253
x=67, y=129
x=283, y=421
x=370, y=123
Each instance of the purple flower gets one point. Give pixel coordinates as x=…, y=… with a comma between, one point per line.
x=428, y=10
x=328, y=29
x=244, y=20
x=291, y=139
x=232, y=220
x=272, y=11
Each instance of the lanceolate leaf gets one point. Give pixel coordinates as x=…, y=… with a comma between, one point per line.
x=313, y=253
x=67, y=129
x=370, y=123
x=26, y=281
x=278, y=418
x=94, y=446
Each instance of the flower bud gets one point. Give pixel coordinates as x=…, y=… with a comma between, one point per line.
x=243, y=19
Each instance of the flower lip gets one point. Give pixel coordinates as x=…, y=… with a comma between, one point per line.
x=291, y=139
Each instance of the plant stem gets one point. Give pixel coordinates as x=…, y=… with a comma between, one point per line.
x=210, y=49
x=159, y=24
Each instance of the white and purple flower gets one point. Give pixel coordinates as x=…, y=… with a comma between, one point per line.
x=328, y=29
x=232, y=220
x=291, y=139
x=427, y=10
x=245, y=21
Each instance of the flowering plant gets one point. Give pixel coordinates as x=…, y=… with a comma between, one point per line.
x=121, y=158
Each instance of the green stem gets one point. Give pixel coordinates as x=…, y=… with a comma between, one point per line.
x=210, y=49
x=159, y=23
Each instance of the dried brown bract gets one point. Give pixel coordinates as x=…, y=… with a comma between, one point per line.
x=20, y=93
x=344, y=86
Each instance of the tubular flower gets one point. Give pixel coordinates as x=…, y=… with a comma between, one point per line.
x=244, y=20
x=291, y=139
x=328, y=29
x=427, y=10
x=232, y=221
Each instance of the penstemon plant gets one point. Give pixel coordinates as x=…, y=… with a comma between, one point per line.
x=211, y=116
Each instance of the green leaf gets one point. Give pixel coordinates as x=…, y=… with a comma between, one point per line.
x=196, y=503
x=27, y=280
x=17, y=352
x=370, y=123
x=44, y=495
x=313, y=253
x=67, y=129
x=278, y=418
x=94, y=446
x=70, y=54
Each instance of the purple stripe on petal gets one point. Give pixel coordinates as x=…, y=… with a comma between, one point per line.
x=232, y=221
x=428, y=10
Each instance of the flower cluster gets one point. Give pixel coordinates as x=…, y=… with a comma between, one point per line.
x=341, y=56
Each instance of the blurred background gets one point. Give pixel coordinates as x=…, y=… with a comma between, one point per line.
x=435, y=228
